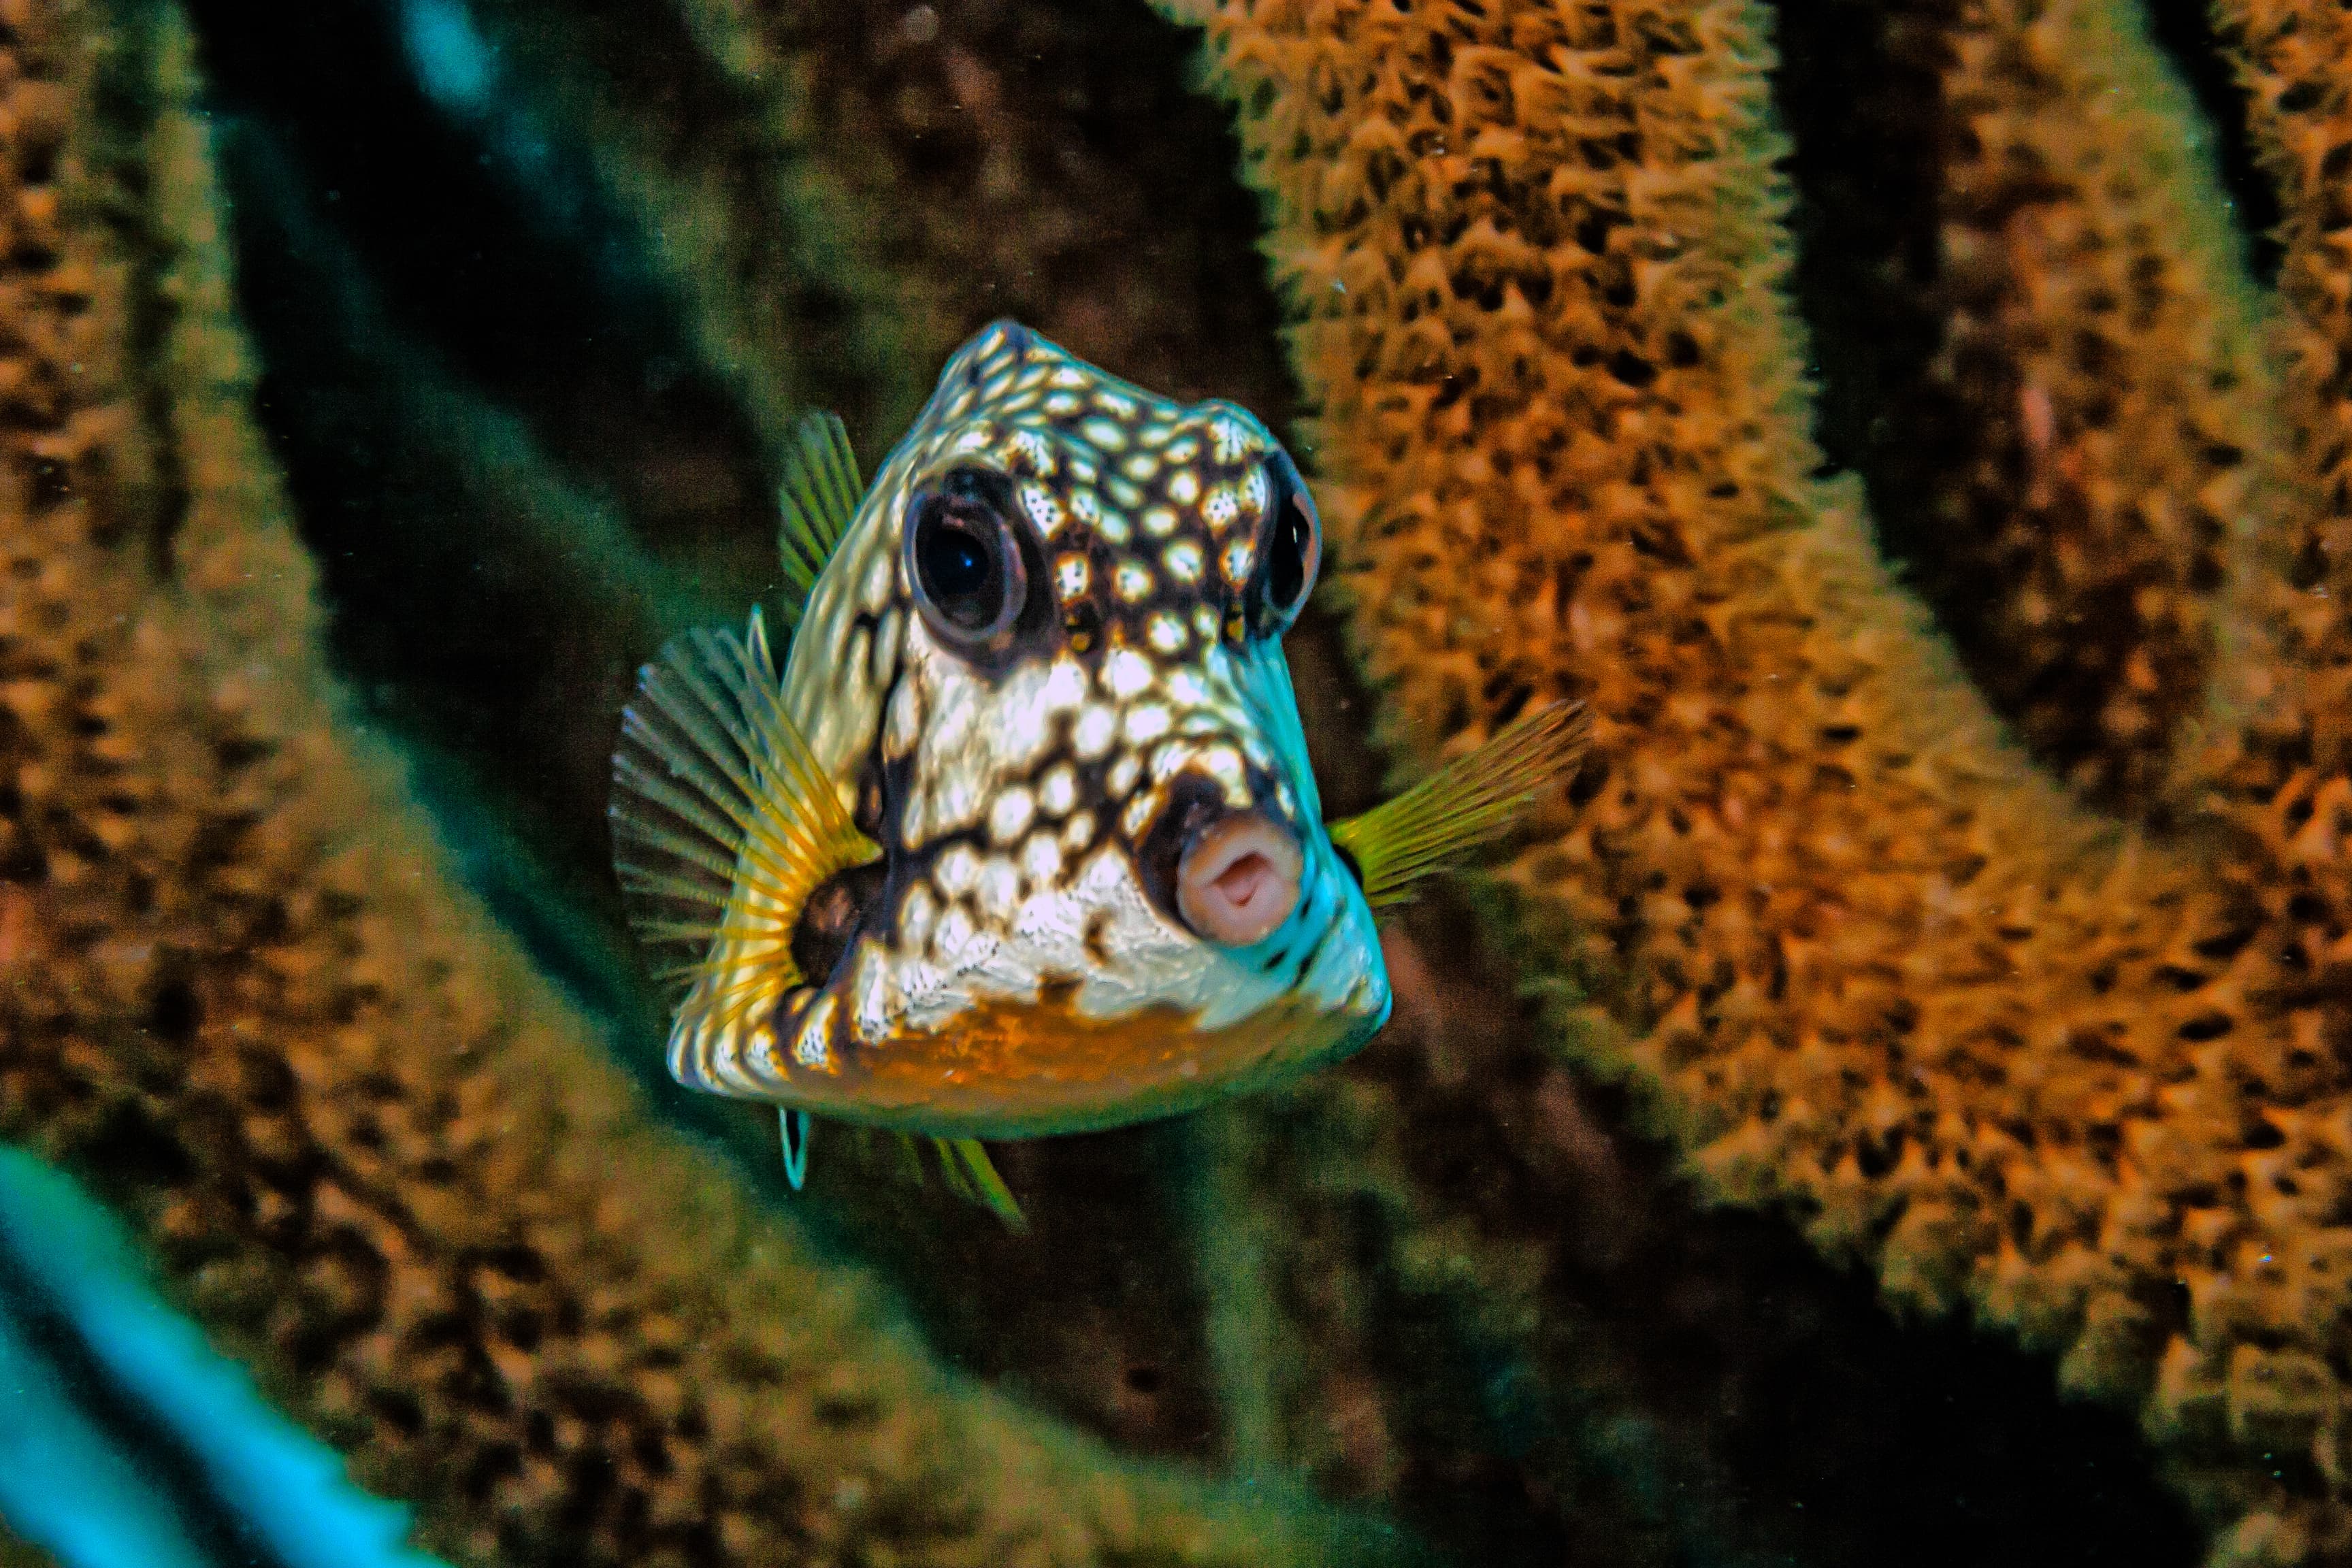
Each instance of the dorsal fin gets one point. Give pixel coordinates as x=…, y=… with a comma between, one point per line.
x=819, y=496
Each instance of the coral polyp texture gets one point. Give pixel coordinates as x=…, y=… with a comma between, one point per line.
x=1875, y=964
x=373, y=1152
x=2089, y=433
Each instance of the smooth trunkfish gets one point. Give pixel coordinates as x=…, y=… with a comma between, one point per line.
x=1020, y=836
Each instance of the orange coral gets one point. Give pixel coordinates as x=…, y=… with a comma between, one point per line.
x=2088, y=436
x=1875, y=968
x=1885, y=971
x=2295, y=61
x=373, y=1150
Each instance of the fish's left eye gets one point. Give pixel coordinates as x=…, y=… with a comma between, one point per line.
x=1293, y=550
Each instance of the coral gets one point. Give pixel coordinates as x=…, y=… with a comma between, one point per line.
x=2292, y=60
x=1403, y=1296
x=2079, y=432
x=2098, y=342
x=1866, y=961
x=1870, y=966
x=375, y=1153
x=16, y=1554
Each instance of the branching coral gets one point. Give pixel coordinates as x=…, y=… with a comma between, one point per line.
x=1872, y=966
x=1870, y=962
x=373, y=1150
x=2058, y=398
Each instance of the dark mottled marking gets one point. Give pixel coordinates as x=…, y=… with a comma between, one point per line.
x=836, y=912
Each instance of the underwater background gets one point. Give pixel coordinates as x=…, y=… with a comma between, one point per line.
x=1896, y=1109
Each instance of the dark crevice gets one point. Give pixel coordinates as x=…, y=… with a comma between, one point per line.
x=1860, y=89
x=443, y=556
x=2184, y=30
x=484, y=240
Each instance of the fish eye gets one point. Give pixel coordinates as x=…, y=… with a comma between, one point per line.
x=970, y=580
x=1293, y=547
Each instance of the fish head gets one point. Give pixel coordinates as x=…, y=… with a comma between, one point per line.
x=1046, y=664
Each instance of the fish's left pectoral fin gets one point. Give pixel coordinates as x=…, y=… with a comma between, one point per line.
x=797, y=1129
x=1471, y=800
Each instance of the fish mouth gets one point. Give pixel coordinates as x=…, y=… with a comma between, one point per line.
x=1238, y=878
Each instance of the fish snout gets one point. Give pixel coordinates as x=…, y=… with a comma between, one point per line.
x=1238, y=877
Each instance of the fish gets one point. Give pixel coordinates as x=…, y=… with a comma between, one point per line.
x=1016, y=833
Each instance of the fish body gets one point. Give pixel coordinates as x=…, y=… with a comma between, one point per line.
x=1020, y=836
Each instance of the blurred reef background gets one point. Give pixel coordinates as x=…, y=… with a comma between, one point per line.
x=1897, y=1110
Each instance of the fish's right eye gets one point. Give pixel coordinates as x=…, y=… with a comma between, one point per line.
x=969, y=578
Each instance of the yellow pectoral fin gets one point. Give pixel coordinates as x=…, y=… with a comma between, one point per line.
x=1470, y=800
